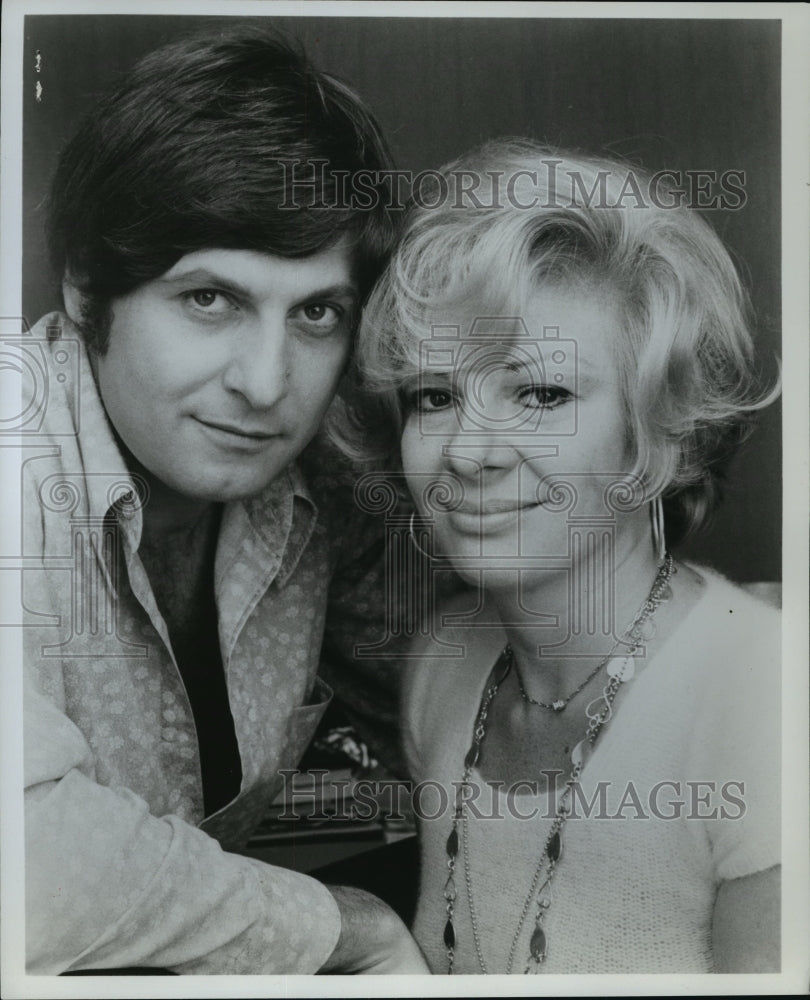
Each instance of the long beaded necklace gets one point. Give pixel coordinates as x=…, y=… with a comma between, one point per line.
x=598, y=713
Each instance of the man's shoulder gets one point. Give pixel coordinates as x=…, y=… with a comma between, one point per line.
x=70, y=462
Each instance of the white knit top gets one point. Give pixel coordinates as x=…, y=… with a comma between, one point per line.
x=634, y=889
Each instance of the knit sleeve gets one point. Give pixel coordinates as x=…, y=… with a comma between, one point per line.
x=738, y=739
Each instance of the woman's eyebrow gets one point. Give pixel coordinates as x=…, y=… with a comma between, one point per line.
x=548, y=356
x=434, y=374
x=542, y=366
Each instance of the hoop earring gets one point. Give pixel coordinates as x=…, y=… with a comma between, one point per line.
x=416, y=544
x=658, y=530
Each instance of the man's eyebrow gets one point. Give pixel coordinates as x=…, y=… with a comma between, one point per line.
x=339, y=290
x=204, y=277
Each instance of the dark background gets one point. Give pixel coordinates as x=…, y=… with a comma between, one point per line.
x=667, y=94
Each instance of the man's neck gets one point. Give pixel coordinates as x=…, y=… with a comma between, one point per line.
x=165, y=511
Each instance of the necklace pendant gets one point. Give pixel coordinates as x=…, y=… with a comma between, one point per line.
x=558, y=705
x=538, y=946
x=580, y=754
x=647, y=630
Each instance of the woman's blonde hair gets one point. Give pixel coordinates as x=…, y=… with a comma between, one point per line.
x=513, y=214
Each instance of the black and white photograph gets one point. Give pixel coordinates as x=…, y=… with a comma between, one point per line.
x=405, y=503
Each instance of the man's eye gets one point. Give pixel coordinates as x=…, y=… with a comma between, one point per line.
x=545, y=397
x=321, y=317
x=208, y=300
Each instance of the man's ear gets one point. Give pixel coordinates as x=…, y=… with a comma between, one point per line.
x=74, y=301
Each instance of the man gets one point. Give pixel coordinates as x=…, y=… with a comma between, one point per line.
x=182, y=562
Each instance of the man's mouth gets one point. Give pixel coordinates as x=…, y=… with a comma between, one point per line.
x=238, y=430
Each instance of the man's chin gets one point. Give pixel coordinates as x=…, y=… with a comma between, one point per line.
x=231, y=492
x=226, y=486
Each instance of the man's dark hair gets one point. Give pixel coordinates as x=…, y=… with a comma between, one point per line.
x=199, y=148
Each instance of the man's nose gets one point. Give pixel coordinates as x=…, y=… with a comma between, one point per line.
x=259, y=366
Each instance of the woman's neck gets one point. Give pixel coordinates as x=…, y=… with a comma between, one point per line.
x=593, y=609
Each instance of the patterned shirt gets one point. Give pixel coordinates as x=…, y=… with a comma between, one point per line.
x=122, y=867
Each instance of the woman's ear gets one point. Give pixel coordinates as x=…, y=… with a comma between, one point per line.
x=74, y=300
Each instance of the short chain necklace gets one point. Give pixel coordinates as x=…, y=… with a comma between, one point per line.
x=560, y=704
x=598, y=713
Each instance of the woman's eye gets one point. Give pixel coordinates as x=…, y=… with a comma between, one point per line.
x=429, y=400
x=546, y=397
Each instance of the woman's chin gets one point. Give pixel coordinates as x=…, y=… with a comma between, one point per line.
x=487, y=574
x=500, y=555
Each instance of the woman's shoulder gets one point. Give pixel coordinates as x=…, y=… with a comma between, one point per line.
x=764, y=593
x=463, y=637
x=726, y=662
x=732, y=693
x=720, y=667
x=448, y=667
x=737, y=609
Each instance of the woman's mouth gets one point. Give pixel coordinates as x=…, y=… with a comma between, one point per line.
x=494, y=515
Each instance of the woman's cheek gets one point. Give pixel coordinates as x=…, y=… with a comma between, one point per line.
x=419, y=462
x=414, y=448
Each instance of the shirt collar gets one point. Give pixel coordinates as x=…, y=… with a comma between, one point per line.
x=284, y=515
x=106, y=478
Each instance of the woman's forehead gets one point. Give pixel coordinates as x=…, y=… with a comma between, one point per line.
x=562, y=328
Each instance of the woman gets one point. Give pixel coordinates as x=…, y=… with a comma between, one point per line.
x=558, y=362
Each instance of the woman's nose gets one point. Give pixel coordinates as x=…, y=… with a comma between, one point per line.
x=469, y=453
